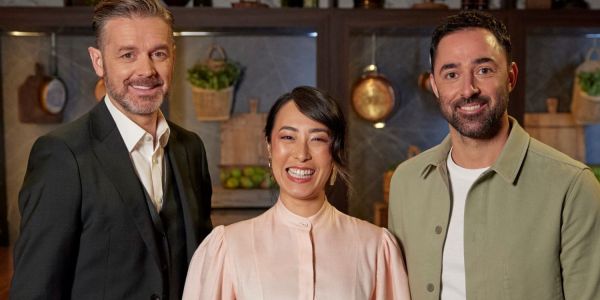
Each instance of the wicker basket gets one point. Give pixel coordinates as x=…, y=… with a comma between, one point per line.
x=586, y=108
x=212, y=105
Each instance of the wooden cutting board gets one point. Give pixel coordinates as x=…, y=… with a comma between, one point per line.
x=242, y=139
x=558, y=130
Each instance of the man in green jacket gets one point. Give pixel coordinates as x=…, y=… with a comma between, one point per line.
x=491, y=213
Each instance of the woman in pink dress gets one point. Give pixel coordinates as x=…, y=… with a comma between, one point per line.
x=302, y=247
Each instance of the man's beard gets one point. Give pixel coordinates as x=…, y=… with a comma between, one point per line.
x=487, y=124
x=143, y=105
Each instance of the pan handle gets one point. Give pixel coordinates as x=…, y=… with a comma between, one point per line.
x=53, y=59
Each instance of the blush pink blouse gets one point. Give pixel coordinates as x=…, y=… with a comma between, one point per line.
x=279, y=255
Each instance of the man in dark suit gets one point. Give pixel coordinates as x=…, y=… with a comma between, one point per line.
x=114, y=204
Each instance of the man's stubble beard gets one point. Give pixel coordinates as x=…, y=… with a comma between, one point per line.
x=489, y=122
x=145, y=105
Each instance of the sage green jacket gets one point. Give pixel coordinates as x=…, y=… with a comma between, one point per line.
x=532, y=224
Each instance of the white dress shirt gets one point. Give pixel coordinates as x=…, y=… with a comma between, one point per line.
x=146, y=155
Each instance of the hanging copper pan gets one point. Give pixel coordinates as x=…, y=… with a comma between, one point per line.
x=373, y=95
x=53, y=93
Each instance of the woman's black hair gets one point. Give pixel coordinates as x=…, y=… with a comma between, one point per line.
x=318, y=106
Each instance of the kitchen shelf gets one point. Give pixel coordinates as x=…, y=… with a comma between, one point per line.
x=78, y=18
x=334, y=28
x=233, y=205
x=243, y=198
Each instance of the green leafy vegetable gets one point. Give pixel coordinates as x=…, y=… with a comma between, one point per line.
x=204, y=77
x=590, y=82
x=596, y=170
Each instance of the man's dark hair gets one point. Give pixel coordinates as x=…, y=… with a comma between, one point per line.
x=469, y=20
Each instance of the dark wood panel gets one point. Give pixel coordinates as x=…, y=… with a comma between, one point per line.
x=49, y=18
x=197, y=18
x=66, y=19
x=3, y=197
x=516, y=106
x=557, y=18
x=6, y=271
x=392, y=17
x=45, y=18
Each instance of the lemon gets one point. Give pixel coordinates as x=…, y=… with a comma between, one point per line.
x=235, y=172
x=232, y=183
x=248, y=171
x=246, y=182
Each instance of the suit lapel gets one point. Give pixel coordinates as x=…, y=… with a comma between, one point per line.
x=112, y=153
x=178, y=157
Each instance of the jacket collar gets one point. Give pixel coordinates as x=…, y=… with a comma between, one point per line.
x=182, y=179
x=110, y=150
x=509, y=161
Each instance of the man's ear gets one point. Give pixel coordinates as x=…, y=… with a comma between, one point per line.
x=97, y=62
x=513, y=71
x=433, y=85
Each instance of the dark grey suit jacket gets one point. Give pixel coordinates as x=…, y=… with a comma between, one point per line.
x=86, y=232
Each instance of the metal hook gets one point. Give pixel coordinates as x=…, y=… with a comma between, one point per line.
x=373, y=48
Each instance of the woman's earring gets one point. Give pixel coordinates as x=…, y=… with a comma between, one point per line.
x=333, y=176
x=269, y=163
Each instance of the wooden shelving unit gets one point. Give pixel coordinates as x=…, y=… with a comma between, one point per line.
x=334, y=28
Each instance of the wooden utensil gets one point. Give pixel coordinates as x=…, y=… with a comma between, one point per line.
x=242, y=139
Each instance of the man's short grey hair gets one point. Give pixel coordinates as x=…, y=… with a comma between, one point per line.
x=109, y=9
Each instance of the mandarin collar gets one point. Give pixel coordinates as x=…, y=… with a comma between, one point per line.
x=304, y=223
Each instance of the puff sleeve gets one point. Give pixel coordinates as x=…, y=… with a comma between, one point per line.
x=391, y=279
x=209, y=277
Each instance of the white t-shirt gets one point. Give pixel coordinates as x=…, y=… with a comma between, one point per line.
x=453, y=262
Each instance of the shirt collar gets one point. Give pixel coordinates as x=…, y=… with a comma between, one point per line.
x=509, y=161
x=300, y=222
x=131, y=132
x=162, y=130
x=513, y=155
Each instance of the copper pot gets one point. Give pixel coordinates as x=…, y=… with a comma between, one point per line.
x=372, y=95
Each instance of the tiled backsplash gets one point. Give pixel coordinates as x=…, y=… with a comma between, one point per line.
x=416, y=119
